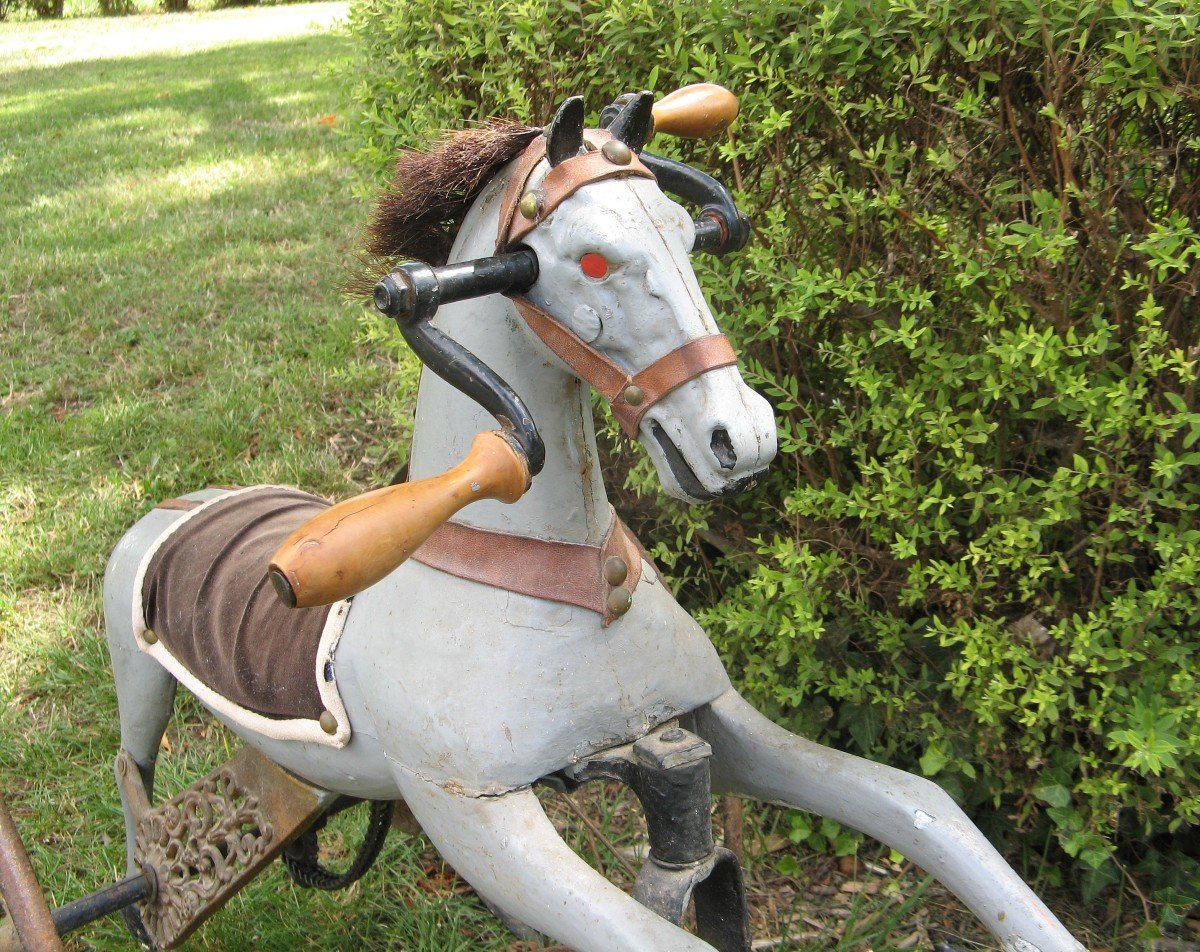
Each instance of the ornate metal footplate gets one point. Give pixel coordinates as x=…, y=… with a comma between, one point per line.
x=204, y=844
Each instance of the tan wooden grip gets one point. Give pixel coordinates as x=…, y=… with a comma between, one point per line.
x=698, y=111
x=352, y=545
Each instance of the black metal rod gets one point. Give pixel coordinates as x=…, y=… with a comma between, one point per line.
x=464, y=371
x=89, y=908
x=511, y=271
x=416, y=289
x=710, y=235
x=721, y=228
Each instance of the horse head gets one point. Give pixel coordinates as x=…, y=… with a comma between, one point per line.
x=613, y=269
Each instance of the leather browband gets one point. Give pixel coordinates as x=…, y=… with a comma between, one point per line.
x=560, y=183
x=654, y=382
x=565, y=572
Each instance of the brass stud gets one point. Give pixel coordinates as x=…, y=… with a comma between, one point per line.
x=619, y=600
x=617, y=152
x=615, y=570
x=633, y=395
x=149, y=637
x=531, y=205
x=328, y=723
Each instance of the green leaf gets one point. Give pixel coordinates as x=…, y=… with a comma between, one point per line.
x=1095, y=881
x=865, y=723
x=1054, y=794
x=933, y=760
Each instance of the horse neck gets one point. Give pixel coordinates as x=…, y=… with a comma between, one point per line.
x=567, y=501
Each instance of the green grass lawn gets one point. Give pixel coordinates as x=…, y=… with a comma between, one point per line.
x=175, y=212
x=174, y=216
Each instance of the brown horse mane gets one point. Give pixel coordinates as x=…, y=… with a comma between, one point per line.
x=418, y=214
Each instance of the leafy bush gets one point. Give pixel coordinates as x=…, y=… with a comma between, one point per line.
x=972, y=300
x=40, y=8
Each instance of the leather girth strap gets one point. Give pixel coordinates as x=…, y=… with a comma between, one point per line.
x=630, y=394
x=565, y=572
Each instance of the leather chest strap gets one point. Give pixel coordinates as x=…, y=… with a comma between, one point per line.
x=565, y=572
x=631, y=395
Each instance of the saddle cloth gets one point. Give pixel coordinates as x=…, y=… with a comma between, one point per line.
x=210, y=616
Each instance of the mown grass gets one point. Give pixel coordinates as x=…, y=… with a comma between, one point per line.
x=175, y=210
x=73, y=9
x=174, y=224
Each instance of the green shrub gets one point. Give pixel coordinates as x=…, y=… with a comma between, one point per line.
x=43, y=9
x=972, y=300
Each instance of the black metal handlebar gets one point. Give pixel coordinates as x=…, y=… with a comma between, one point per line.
x=720, y=227
x=411, y=295
x=416, y=289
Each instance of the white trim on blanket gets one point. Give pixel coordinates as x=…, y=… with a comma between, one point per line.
x=302, y=729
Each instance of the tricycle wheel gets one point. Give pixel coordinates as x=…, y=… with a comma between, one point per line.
x=137, y=929
x=301, y=856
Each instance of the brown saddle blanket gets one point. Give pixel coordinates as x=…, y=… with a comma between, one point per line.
x=207, y=598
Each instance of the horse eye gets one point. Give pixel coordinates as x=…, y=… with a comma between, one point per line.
x=593, y=265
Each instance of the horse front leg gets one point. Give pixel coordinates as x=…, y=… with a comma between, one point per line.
x=508, y=850
x=757, y=758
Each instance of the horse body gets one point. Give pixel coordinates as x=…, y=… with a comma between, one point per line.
x=460, y=696
x=478, y=689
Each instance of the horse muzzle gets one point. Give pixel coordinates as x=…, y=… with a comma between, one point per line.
x=711, y=437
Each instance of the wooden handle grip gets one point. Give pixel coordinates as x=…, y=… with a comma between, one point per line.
x=698, y=111
x=352, y=545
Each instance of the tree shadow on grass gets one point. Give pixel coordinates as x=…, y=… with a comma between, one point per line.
x=177, y=228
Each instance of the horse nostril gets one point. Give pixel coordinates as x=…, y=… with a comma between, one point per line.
x=722, y=448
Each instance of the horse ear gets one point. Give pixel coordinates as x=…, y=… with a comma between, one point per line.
x=635, y=121
x=564, y=135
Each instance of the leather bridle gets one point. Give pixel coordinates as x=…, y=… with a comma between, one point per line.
x=629, y=394
x=412, y=292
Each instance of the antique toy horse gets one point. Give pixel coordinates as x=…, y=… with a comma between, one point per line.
x=530, y=639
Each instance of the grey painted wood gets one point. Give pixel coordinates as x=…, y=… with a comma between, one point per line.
x=756, y=758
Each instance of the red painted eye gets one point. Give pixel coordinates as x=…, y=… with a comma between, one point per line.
x=593, y=265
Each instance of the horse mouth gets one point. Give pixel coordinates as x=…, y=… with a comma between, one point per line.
x=688, y=481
